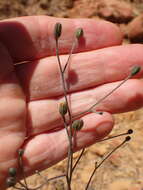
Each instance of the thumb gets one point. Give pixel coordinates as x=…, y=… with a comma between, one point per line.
x=12, y=114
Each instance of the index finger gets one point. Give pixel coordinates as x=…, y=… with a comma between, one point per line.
x=30, y=38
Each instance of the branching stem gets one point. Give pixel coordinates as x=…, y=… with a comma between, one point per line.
x=95, y=169
x=70, y=54
x=70, y=151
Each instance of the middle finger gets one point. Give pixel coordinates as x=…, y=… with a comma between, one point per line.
x=41, y=79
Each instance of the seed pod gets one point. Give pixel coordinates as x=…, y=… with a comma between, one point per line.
x=20, y=152
x=79, y=33
x=12, y=172
x=57, y=30
x=63, y=108
x=10, y=181
x=100, y=113
x=135, y=70
x=77, y=124
x=130, y=131
x=128, y=138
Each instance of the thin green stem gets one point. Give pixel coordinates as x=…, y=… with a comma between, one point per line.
x=70, y=54
x=20, y=161
x=108, y=138
x=70, y=155
x=77, y=161
x=103, y=98
x=47, y=180
x=69, y=152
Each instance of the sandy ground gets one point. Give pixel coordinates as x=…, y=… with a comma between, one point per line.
x=124, y=169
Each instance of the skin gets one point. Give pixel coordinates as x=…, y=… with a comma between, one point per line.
x=31, y=92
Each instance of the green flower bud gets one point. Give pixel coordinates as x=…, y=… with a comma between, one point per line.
x=12, y=172
x=77, y=124
x=135, y=70
x=79, y=33
x=57, y=30
x=63, y=108
x=10, y=181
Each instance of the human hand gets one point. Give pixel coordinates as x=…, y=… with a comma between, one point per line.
x=30, y=92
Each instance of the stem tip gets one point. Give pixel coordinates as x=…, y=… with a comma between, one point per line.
x=20, y=152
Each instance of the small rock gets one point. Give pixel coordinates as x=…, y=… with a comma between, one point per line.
x=69, y=4
x=59, y=185
x=135, y=30
x=115, y=11
x=115, y=159
x=99, y=150
x=120, y=185
x=24, y=2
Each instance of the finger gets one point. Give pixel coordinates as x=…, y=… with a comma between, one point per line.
x=34, y=36
x=41, y=79
x=47, y=149
x=12, y=114
x=44, y=114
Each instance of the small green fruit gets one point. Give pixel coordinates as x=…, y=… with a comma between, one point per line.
x=10, y=181
x=63, y=108
x=12, y=172
x=79, y=33
x=57, y=30
x=77, y=124
x=135, y=70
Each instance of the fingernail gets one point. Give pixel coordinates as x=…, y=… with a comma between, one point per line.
x=104, y=129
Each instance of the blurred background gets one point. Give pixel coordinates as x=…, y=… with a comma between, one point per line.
x=124, y=169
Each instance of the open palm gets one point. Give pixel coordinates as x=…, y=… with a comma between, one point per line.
x=30, y=93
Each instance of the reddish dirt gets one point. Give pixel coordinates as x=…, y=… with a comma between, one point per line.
x=124, y=170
